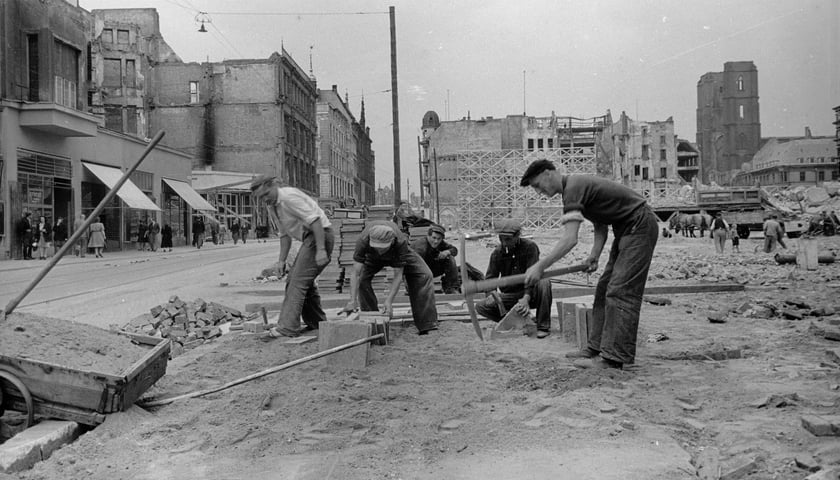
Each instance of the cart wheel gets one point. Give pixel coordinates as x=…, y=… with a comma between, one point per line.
x=27, y=397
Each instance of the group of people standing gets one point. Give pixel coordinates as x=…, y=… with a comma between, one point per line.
x=618, y=295
x=40, y=236
x=154, y=237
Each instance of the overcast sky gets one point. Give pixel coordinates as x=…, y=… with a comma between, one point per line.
x=579, y=58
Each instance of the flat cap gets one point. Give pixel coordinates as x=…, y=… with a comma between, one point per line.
x=262, y=180
x=437, y=229
x=508, y=227
x=535, y=168
x=381, y=236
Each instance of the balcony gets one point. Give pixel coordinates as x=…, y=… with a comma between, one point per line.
x=58, y=120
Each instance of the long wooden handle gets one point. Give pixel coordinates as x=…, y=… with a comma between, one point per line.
x=519, y=279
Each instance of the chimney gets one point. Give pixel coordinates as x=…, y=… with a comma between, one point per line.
x=807, y=132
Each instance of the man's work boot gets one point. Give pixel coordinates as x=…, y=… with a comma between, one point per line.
x=585, y=353
x=598, y=363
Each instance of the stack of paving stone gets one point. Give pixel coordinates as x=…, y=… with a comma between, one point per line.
x=186, y=323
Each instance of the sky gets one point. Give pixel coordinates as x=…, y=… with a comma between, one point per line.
x=496, y=58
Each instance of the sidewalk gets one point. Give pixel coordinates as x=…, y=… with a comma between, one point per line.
x=123, y=255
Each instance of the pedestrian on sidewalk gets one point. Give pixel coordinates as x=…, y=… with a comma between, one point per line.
x=298, y=218
x=23, y=229
x=142, y=235
x=166, y=237
x=154, y=234
x=234, y=231
x=43, y=232
x=59, y=233
x=97, y=237
x=618, y=295
x=82, y=244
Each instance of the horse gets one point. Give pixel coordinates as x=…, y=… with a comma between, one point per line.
x=688, y=222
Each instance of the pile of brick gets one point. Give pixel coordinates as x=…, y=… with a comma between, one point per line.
x=186, y=324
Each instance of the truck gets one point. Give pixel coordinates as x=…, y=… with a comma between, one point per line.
x=748, y=208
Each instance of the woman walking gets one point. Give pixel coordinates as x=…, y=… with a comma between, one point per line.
x=166, y=237
x=97, y=237
x=44, y=236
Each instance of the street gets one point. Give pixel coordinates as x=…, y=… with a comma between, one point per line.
x=123, y=285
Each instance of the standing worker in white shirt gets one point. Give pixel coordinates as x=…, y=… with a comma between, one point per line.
x=298, y=217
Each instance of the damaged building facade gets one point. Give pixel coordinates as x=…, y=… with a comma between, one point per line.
x=57, y=158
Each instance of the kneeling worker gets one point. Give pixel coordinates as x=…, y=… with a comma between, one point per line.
x=380, y=245
x=439, y=257
x=513, y=256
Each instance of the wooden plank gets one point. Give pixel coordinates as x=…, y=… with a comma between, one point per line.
x=567, y=292
x=568, y=320
x=142, y=375
x=301, y=340
x=63, y=412
x=582, y=320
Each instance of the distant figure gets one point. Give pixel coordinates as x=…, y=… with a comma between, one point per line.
x=82, y=244
x=43, y=237
x=736, y=240
x=243, y=232
x=142, y=236
x=166, y=237
x=59, y=233
x=719, y=231
x=235, y=230
x=23, y=229
x=214, y=233
x=97, y=237
x=222, y=233
x=666, y=233
x=772, y=232
x=154, y=234
x=198, y=232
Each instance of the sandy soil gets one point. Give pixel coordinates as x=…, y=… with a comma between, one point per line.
x=70, y=344
x=449, y=406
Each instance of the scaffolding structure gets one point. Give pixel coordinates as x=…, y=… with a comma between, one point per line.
x=489, y=188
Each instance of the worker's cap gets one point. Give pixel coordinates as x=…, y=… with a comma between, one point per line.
x=381, y=236
x=508, y=227
x=437, y=229
x=535, y=168
x=262, y=181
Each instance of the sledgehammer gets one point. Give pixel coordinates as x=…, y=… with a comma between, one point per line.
x=470, y=287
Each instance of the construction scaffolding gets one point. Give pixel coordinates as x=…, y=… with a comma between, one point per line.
x=489, y=188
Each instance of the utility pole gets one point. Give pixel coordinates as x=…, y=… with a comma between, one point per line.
x=394, y=107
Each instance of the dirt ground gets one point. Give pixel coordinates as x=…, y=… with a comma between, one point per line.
x=447, y=406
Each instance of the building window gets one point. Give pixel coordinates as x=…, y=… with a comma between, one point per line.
x=801, y=176
x=810, y=159
x=821, y=175
x=741, y=112
x=645, y=152
x=645, y=173
x=130, y=74
x=193, y=92
x=663, y=172
x=131, y=120
x=32, y=58
x=663, y=155
x=108, y=35
x=66, y=68
x=539, y=143
x=662, y=140
x=784, y=176
x=636, y=170
x=113, y=73
x=801, y=160
x=740, y=83
x=113, y=118
x=530, y=144
x=550, y=143
x=122, y=37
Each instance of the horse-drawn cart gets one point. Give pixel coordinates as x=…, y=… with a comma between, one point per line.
x=55, y=391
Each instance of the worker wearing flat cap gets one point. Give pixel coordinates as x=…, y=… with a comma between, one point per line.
x=513, y=256
x=298, y=217
x=439, y=256
x=618, y=296
x=381, y=245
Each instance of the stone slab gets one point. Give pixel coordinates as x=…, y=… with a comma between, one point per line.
x=334, y=333
x=36, y=443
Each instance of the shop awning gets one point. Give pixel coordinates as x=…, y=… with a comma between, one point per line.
x=185, y=191
x=129, y=193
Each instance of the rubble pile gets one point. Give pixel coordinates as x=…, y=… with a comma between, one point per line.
x=186, y=324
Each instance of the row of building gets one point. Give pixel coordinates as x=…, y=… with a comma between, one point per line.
x=470, y=167
x=82, y=92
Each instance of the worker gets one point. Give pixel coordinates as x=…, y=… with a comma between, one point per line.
x=720, y=230
x=513, y=256
x=382, y=244
x=618, y=295
x=439, y=256
x=300, y=218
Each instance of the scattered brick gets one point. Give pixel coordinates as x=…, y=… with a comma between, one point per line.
x=187, y=324
x=822, y=425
